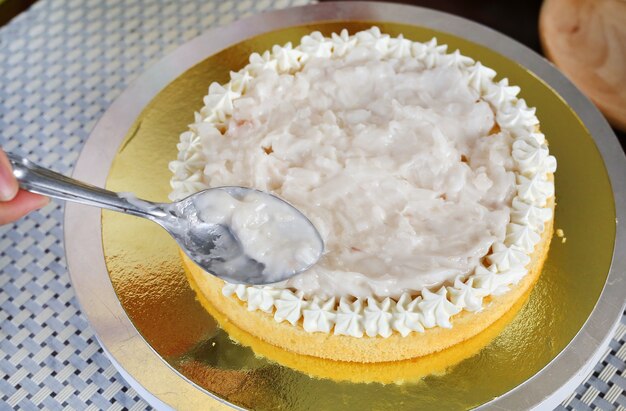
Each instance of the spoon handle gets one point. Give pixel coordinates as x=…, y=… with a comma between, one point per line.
x=41, y=180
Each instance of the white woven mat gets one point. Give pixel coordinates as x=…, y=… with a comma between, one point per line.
x=61, y=65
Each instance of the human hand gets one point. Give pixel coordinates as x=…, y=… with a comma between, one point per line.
x=15, y=203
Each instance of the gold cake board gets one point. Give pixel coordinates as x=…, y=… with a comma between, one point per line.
x=397, y=372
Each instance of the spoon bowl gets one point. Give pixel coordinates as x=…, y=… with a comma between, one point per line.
x=220, y=248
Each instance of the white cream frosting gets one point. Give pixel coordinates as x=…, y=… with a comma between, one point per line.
x=436, y=308
x=517, y=118
x=532, y=156
x=480, y=77
x=521, y=236
x=319, y=316
x=504, y=257
x=463, y=294
x=240, y=290
x=429, y=165
x=407, y=316
x=378, y=316
x=500, y=94
x=289, y=306
x=530, y=215
x=262, y=298
x=535, y=190
x=488, y=280
x=349, y=318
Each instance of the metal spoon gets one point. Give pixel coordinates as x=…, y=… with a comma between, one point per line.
x=213, y=247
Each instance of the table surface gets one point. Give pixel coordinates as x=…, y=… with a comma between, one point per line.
x=62, y=63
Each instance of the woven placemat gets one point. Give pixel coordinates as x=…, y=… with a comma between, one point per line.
x=62, y=63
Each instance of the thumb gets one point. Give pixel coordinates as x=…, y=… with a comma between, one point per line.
x=23, y=203
x=8, y=183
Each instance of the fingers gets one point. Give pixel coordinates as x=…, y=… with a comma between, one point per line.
x=15, y=203
x=23, y=203
x=8, y=183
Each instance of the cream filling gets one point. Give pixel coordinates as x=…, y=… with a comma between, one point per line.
x=268, y=230
x=384, y=144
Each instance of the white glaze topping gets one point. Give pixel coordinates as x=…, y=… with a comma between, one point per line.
x=328, y=81
x=388, y=146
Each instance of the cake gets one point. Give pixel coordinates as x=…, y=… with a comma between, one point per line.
x=430, y=182
x=387, y=372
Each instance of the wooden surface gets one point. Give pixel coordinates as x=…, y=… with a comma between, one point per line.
x=586, y=39
x=11, y=8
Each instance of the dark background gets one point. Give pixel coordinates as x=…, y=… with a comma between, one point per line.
x=516, y=19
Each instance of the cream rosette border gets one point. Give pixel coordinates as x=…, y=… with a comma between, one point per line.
x=504, y=267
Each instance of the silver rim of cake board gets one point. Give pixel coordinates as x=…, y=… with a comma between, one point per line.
x=83, y=229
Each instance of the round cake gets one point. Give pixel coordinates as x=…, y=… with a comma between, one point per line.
x=429, y=181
